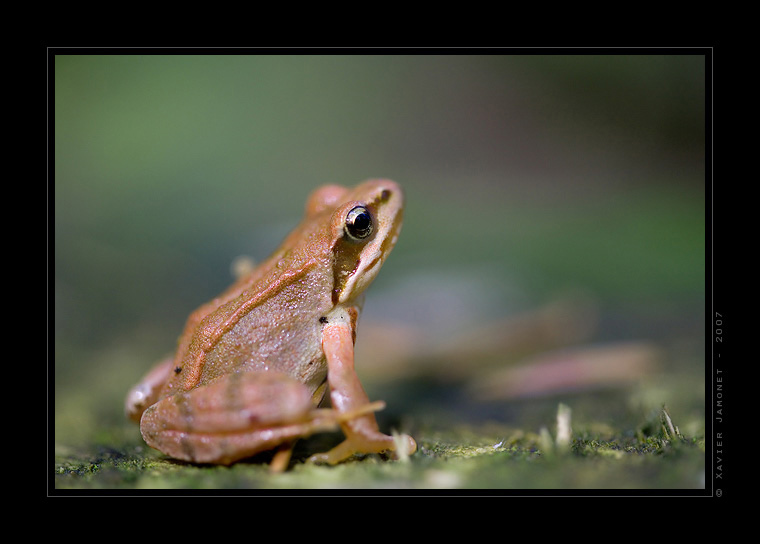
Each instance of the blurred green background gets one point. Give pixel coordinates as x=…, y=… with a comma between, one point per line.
x=529, y=178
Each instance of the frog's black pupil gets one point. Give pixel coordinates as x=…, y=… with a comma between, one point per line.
x=359, y=223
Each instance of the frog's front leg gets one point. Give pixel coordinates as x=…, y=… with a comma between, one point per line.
x=348, y=396
x=232, y=418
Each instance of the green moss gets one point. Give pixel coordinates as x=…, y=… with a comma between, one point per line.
x=463, y=457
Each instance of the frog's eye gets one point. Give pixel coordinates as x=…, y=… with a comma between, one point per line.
x=358, y=223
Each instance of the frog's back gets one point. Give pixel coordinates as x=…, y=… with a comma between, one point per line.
x=268, y=320
x=270, y=325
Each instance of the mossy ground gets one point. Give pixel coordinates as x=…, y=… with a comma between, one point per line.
x=491, y=458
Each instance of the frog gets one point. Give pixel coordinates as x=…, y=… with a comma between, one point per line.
x=271, y=359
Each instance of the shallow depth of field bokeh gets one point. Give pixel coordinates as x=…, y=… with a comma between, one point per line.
x=553, y=248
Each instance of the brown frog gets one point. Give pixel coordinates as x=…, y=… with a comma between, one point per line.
x=253, y=364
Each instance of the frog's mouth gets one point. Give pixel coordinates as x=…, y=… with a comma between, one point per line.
x=358, y=281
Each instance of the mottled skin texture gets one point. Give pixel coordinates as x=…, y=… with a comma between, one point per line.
x=253, y=364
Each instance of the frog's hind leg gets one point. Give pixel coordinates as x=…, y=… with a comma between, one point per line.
x=281, y=457
x=147, y=390
x=233, y=418
x=225, y=449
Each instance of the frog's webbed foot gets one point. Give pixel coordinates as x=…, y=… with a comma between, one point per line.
x=401, y=445
x=362, y=437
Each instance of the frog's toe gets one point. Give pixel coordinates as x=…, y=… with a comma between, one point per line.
x=400, y=446
x=405, y=445
x=339, y=453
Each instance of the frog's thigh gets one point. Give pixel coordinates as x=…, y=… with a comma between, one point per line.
x=233, y=418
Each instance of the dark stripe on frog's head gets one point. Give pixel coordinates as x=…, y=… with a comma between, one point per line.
x=347, y=250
